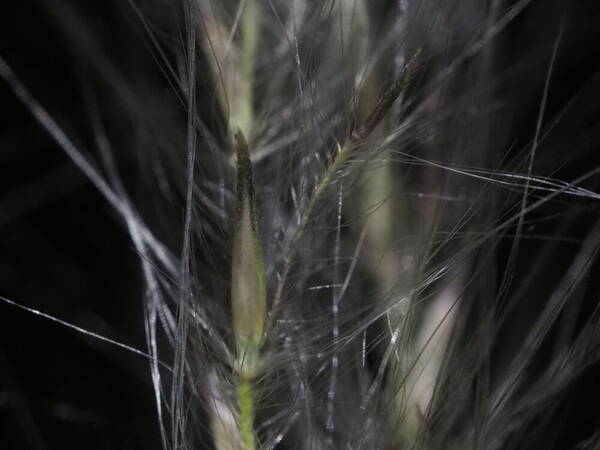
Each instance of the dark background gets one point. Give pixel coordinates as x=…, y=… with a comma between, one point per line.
x=62, y=249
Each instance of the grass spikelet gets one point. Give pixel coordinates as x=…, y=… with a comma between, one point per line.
x=248, y=292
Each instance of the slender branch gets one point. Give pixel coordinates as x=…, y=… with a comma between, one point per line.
x=357, y=137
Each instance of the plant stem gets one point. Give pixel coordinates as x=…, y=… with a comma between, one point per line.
x=245, y=109
x=246, y=420
x=248, y=277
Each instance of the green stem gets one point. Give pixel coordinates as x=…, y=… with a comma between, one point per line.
x=245, y=110
x=246, y=405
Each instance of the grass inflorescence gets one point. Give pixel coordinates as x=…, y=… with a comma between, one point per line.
x=336, y=221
